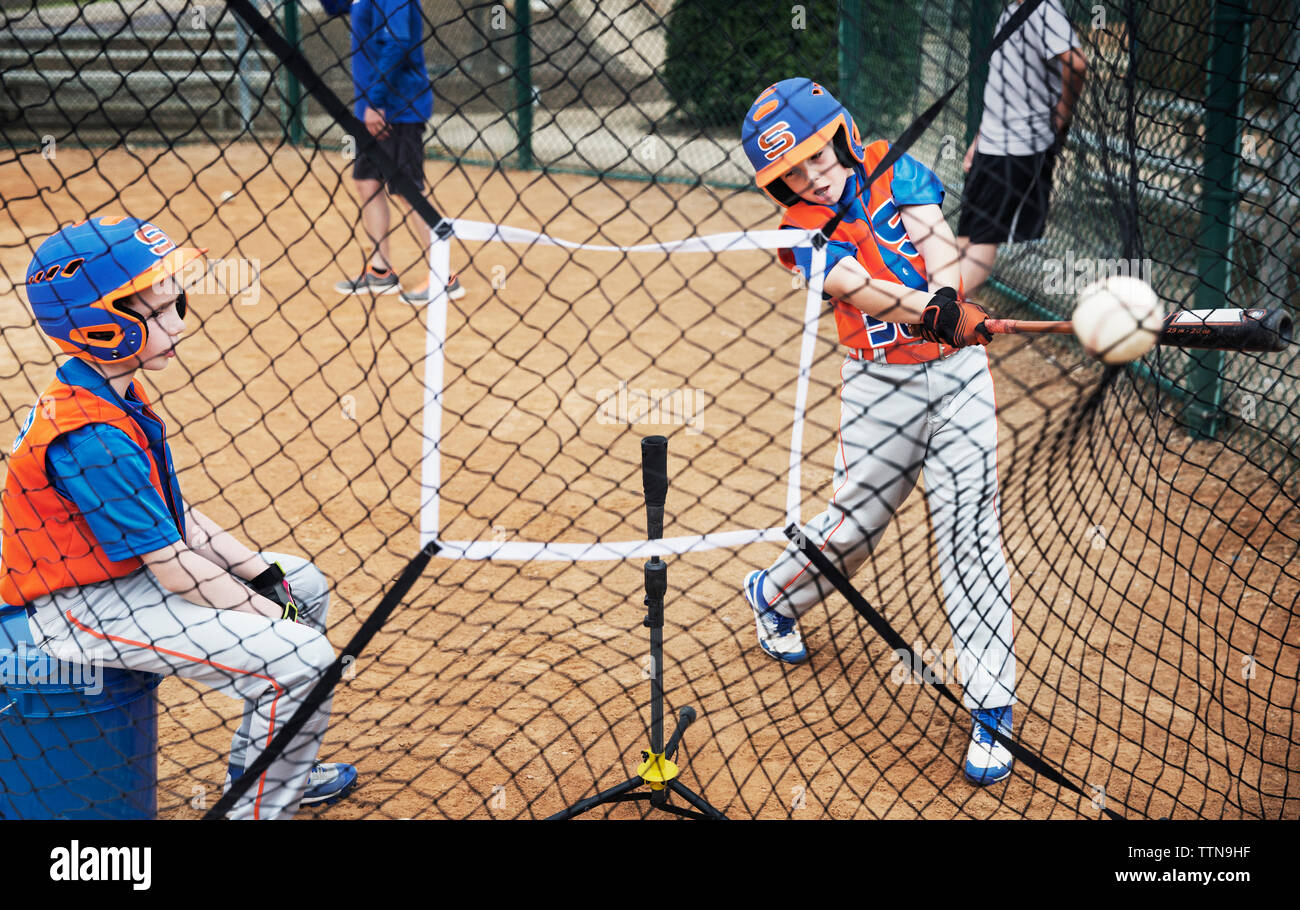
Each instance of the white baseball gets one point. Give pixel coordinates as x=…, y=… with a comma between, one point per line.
x=1118, y=319
x=227, y=195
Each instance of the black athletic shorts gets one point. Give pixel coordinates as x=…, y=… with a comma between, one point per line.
x=1006, y=197
x=405, y=145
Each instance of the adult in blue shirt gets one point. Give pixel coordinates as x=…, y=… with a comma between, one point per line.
x=394, y=99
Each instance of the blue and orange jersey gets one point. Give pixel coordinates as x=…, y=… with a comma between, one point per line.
x=873, y=233
x=48, y=543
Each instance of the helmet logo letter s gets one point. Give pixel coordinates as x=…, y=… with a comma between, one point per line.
x=155, y=239
x=776, y=141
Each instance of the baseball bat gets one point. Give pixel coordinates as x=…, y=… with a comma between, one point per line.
x=1267, y=330
x=1256, y=330
x=1028, y=327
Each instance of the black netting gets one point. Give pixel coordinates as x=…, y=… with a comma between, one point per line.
x=1108, y=550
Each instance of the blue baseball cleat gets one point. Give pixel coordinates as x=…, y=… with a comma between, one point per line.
x=326, y=785
x=777, y=635
x=987, y=760
x=329, y=783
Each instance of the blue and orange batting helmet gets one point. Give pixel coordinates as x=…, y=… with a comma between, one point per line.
x=787, y=123
x=80, y=276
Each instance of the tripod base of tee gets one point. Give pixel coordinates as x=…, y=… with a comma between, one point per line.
x=658, y=772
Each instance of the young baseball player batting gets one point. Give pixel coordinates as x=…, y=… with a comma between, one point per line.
x=98, y=542
x=917, y=394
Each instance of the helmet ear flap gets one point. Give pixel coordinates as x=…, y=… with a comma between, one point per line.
x=843, y=154
x=121, y=307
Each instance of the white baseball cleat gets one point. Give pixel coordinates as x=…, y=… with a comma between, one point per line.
x=327, y=783
x=987, y=760
x=777, y=635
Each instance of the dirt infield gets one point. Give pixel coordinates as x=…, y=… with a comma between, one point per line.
x=507, y=689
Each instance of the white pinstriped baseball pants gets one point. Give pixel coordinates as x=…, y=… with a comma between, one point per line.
x=134, y=623
x=897, y=422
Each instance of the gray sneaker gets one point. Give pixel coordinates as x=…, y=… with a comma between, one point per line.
x=421, y=295
x=371, y=281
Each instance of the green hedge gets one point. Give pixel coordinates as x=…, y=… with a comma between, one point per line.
x=1173, y=45
x=882, y=49
x=722, y=53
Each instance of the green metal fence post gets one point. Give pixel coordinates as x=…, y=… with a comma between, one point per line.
x=292, y=88
x=524, y=82
x=1225, y=89
x=983, y=16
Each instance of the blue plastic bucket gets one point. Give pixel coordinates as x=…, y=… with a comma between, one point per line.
x=75, y=741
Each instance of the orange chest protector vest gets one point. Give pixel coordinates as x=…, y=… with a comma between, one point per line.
x=47, y=544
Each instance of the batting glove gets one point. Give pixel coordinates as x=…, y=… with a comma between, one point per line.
x=956, y=323
x=273, y=585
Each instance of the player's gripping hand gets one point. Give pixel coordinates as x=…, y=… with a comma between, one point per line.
x=954, y=322
x=272, y=585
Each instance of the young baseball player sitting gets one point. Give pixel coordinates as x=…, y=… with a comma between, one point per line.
x=98, y=542
x=917, y=393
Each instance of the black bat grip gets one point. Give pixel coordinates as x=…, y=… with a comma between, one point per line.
x=1282, y=331
x=654, y=480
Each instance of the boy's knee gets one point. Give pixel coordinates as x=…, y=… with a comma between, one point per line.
x=296, y=669
x=310, y=584
x=317, y=653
